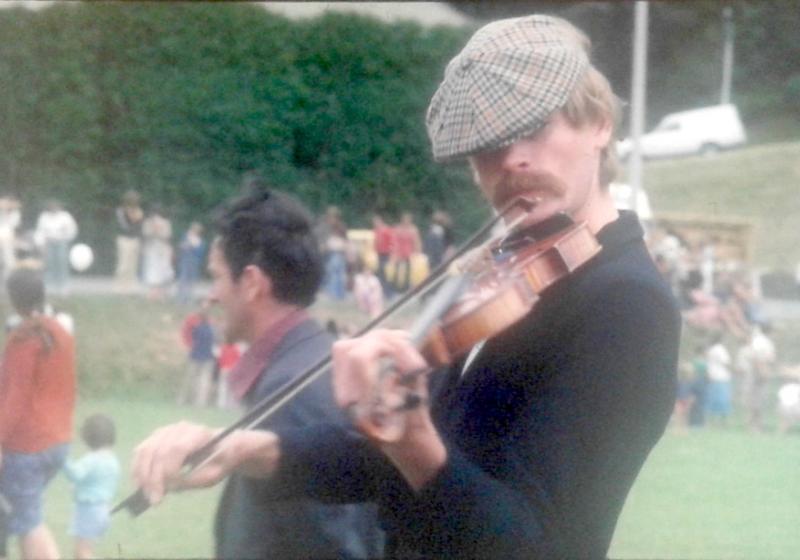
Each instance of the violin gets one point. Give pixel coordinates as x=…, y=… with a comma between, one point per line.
x=473, y=305
x=502, y=294
x=476, y=306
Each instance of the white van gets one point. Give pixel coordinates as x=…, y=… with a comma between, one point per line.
x=700, y=131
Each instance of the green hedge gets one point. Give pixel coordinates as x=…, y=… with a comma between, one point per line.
x=179, y=100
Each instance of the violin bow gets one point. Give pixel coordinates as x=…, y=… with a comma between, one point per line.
x=137, y=502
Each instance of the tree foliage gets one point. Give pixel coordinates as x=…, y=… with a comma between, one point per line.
x=179, y=100
x=685, y=50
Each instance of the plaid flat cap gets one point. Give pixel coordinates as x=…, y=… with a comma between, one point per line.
x=505, y=83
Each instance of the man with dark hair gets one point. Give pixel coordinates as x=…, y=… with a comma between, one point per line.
x=269, y=230
x=266, y=269
x=527, y=447
x=37, y=398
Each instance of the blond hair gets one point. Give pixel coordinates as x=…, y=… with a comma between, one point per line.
x=592, y=101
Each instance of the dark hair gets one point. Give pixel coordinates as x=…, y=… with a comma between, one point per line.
x=98, y=431
x=26, y=290
x=274, y=232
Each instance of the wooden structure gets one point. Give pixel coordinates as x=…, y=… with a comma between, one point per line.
x=732, y=237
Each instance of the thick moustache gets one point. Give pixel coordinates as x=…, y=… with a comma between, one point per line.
x=531, y=187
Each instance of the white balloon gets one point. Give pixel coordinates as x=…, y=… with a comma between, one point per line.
x=81, y=257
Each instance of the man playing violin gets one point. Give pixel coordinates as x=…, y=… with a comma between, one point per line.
x=527, y=447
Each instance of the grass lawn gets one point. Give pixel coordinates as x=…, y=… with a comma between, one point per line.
x=181, y=526
x=706, y=494
x=714, y=494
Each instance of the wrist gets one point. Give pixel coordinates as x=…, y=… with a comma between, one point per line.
x=419, y=455
x=255, y=453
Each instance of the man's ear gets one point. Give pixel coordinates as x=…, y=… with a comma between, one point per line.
x=605, y=131
x=255, y=283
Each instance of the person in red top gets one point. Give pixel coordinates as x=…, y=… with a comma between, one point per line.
x=383, y=241
x=189, y=323
x=229, y=354
x=406, y=243
x=37, y=400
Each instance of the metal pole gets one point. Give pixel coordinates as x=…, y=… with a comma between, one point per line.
x=727, y=54
x=638, y=90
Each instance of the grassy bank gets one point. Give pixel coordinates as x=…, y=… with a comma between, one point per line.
x=760, y=183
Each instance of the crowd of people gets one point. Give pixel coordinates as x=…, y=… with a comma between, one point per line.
x=149, y=256
x=46, y=245
x=146, y=252
x=397, y=257
x=714, y=295
x=734, y=368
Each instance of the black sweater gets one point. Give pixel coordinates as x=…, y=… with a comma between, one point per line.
x=546, y=431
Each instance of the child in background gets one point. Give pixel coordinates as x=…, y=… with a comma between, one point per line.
x=684, y=397
x=367, y=290
x=718, y=366
x=198, y=335
x=698, y=389
x=95, y=476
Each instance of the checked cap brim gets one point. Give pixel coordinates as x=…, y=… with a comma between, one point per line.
x=509, y=78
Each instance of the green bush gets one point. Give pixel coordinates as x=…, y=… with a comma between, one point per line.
x=179, y=101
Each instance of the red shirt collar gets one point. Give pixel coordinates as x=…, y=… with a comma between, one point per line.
x=255, y=360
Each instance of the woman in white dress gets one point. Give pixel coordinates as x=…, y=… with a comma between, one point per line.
x=158, y=271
